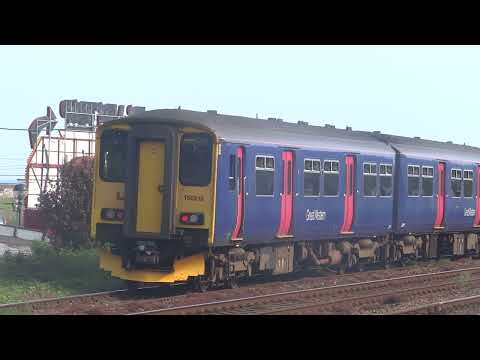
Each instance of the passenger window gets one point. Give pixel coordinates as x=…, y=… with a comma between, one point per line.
x=427, y=181
x=264, y=173
x=369, y=179
x=413, y=180
x=386, y=180
x=311, y=177
x=468, y=183
x=456, y=182
x=331, y=177
x=231, y=174
x=260, y=162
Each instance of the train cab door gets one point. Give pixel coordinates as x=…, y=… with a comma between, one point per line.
x=286, y=196
x=151, y=165
x=440, y=214
x=239, y=172
x=349, y=201
x=477, y=199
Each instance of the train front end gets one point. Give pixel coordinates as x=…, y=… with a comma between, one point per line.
x=153, y=202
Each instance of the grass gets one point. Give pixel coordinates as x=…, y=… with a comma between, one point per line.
x=7, y=211
x=50, y=273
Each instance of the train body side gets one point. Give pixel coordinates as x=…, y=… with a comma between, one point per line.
x=416, y=214
x=373, y=215
x=422, y=213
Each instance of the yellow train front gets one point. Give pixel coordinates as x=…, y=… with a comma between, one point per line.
x=153, y=203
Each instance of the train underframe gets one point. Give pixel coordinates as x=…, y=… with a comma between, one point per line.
x=224, y=266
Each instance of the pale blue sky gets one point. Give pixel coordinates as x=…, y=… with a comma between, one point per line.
x=427, y=91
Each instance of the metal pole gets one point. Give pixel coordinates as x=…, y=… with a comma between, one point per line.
x=19, y=213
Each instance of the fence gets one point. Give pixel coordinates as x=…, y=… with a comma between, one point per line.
x=22, y=233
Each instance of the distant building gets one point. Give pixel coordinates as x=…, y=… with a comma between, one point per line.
x=6, y=189
x=54, y=145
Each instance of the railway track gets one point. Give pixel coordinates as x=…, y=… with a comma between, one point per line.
x=442, y=307
x=44, y=304
x=325, y=299
x=332, y=299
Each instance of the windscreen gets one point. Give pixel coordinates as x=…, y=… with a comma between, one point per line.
x=113, y=155
x=196, y=160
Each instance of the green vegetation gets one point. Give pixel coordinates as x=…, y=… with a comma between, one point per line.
x=7, y=210
x=51, y=273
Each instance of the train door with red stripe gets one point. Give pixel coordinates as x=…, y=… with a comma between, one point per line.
x=286, y=196
x=239, y=172
x=349, y=201
x=477, y=199
x=440, y=197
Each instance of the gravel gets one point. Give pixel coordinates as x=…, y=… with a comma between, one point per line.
x=122, y=304
x=4, y=248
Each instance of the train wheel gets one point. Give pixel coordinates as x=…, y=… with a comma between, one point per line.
x=200, y=285
x=397, y=255
x=132, y=286
x=352, y=261
x=232, y=284
x=342, y=268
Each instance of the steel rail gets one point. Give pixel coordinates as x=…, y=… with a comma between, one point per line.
x=228, y=305
x=66, y=299
x=441, y=306
x=315, y=307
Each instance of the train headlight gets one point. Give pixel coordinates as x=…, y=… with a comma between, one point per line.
x=112, y=214
x=191, y=218
x=119, y=215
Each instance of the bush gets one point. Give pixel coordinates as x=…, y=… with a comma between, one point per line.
x=66, y=205
x=42, y=249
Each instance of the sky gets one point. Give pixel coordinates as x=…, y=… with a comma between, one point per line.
x=427, y=91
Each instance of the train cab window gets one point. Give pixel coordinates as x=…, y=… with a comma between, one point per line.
x=456, y=182
x=264, y=174
x=196, y=160
x=427, y=181
x=413, y=173
x=468, y=183
x=331, y=177
x=113, y=155
x=311, y=177
x=369, y=179
x=231, y=173
x=386, y=179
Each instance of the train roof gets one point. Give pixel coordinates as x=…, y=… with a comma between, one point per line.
x=430, y=149
x=240, y=129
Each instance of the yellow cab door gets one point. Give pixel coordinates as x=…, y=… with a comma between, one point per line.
x=151, y=186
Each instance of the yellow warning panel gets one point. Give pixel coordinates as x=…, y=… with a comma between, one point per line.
x=151, y=173
x=184, y=268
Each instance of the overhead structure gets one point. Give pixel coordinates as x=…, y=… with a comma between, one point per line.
x=52, y=146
